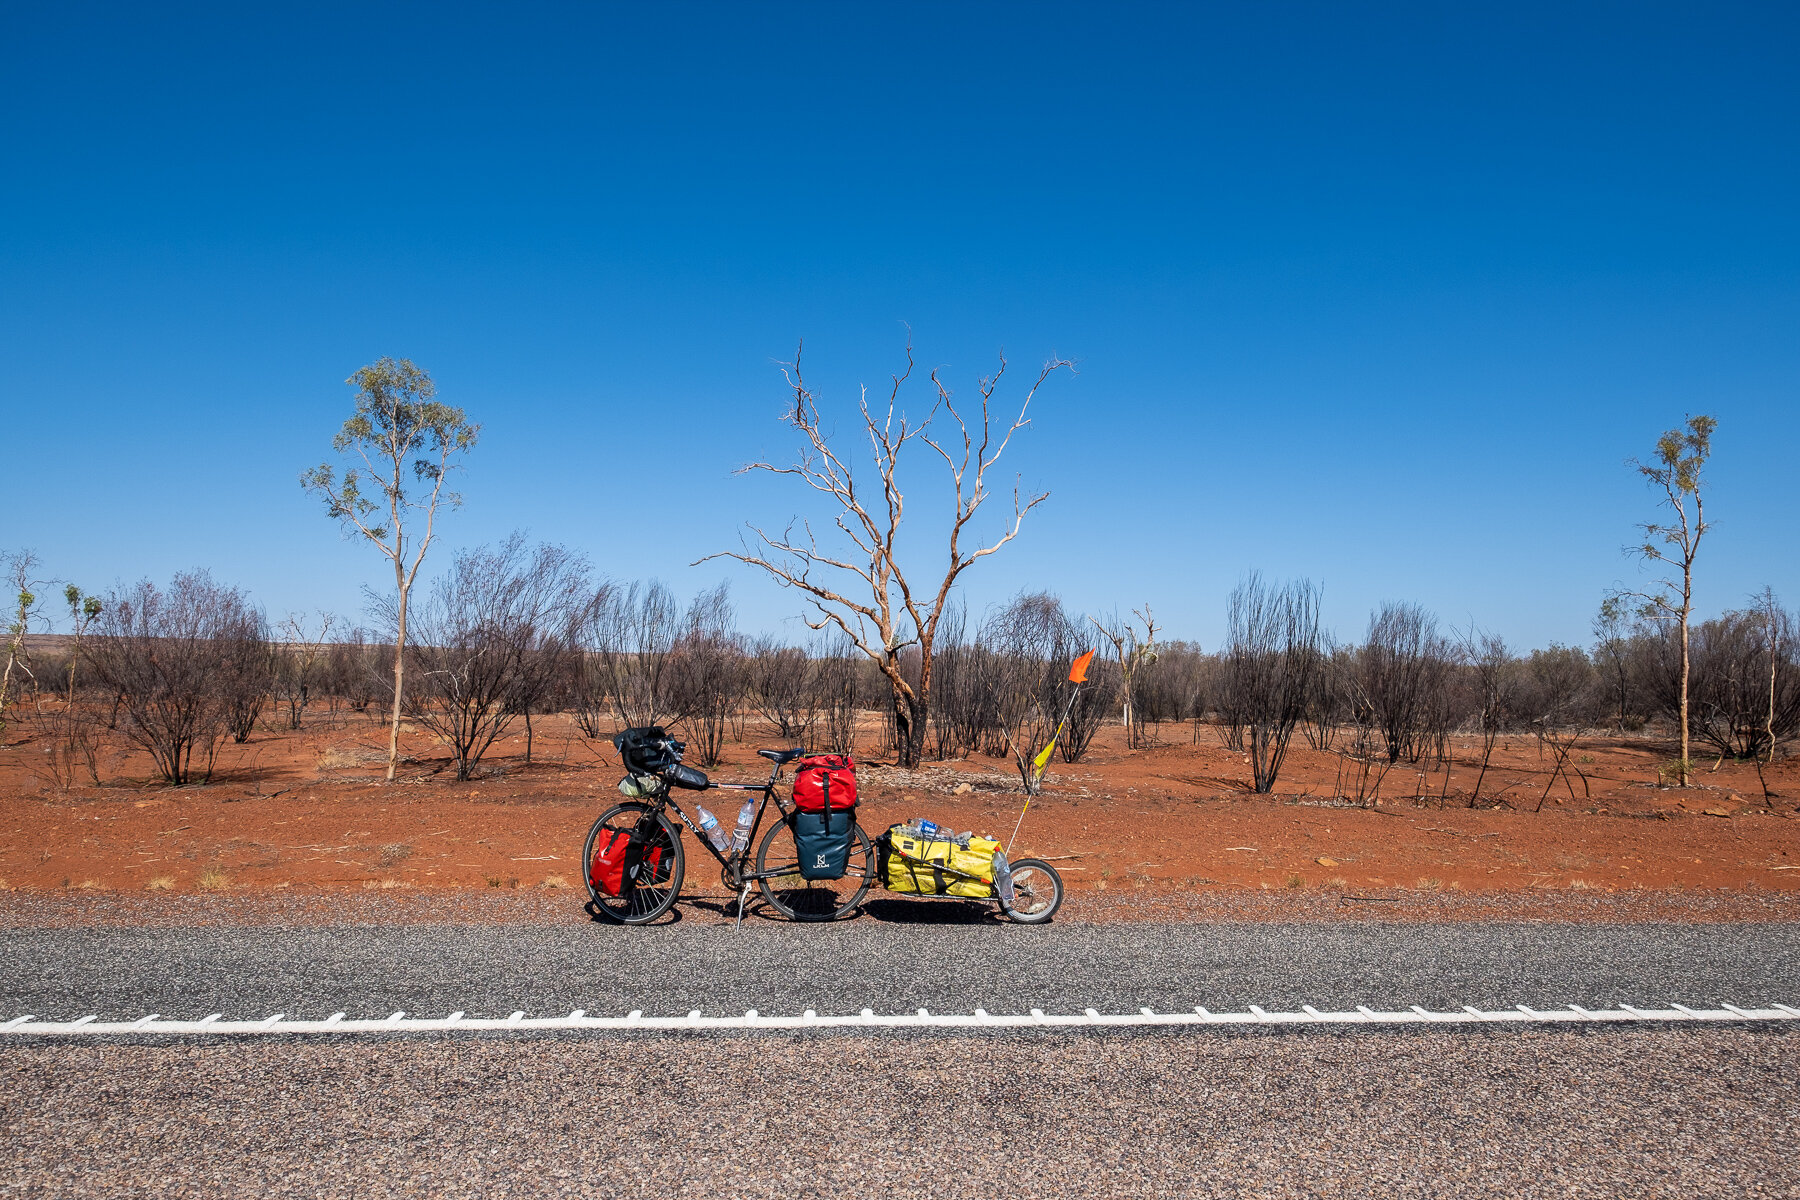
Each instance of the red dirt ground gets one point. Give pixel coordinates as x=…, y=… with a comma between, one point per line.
x=1131, y=830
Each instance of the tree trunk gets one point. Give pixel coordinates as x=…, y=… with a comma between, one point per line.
x=1769, y=725
x=1684, y=693
x=399, y=682
x=910, y=714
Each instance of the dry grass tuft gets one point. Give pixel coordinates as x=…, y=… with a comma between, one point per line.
x=1429, y=883
x=394, y=852
x=554, y=882
x=1337, y=883
x=213, y=880
x=336, y=758
x=162, y=883
x=1295, y=882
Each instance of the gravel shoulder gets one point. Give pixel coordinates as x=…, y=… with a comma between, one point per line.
x=1664, y=1112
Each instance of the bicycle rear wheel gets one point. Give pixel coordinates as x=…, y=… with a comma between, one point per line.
x=660, y=871
x=800, y=899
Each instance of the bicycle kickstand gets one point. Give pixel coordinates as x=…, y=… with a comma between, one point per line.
x=743, y=893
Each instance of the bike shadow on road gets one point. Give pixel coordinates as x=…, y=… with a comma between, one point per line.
x=884, y=911
x=930, y=912
x=672, y=917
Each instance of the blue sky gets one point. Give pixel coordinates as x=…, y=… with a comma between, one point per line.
x=1383, y=296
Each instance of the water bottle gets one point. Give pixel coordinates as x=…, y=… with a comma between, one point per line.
x=709, y=825
x=1003, y=884
x=740, y=837
x=931, y=831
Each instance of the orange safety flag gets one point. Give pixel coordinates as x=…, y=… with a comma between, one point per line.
x=1078, y=669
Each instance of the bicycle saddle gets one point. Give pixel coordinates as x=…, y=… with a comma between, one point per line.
x=782, y=756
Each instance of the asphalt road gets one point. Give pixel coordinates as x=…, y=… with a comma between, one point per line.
x=1671, y=1110
x=492, y=970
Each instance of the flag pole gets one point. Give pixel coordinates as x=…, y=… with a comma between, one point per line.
x=1077, y=676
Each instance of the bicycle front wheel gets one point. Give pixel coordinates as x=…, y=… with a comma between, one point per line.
x=659, y=872
x=797, y=899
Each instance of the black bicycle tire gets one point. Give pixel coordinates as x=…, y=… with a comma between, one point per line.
x=604, y=904
x=1038, y=918
x=768, y=893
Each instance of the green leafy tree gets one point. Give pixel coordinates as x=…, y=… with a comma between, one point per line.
x=399, y=443
x=19, y=568
x=1676, y=472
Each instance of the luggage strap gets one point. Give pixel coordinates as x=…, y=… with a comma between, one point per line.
x=939, y=867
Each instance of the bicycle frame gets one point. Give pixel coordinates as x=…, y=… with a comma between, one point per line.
x=733, y=865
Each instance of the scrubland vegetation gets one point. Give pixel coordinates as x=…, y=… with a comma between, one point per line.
x=503, y=635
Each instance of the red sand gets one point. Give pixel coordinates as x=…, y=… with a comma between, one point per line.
x=308, y=812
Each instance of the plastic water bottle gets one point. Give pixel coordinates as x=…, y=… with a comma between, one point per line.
x=709, y=825
x=1003, y=884
x=740, y=837
x=931, y=831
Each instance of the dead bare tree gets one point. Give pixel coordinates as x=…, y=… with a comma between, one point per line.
x=1134, y=653
x=1272, y=653
x=1681, y=456
x=1031, y=642
x=1328, y=707
x=780, y=685
x=1496, y=689
x=590, y=677
x=74, y=734
x=1778, y=635
x=398, y=429
x=298, y=664
x=163, y=654
x=1744, y=691
x=1559, y=682
x=706, y=673
x=476, y=631
x=1402, y=668
x=246, y=668
x=835, y=678
x=630, y=634
x=1177, y=689
x=352, y=671
x=864, y=591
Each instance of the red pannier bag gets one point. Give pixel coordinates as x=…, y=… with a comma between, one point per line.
x=607, y=873
x=825, y=779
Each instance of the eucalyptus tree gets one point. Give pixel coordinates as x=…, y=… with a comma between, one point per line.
x=398, y=443
x=1676, y=471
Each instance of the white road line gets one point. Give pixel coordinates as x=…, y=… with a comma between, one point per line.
x=215, y=1025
